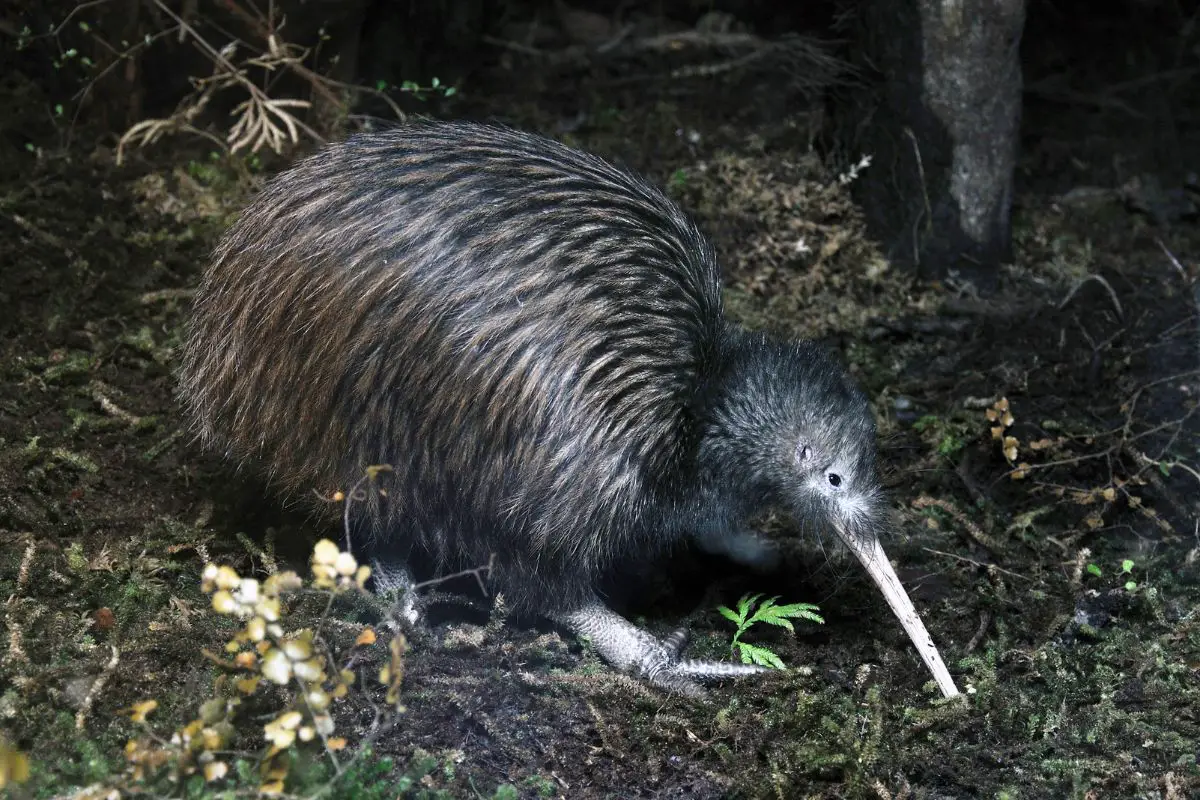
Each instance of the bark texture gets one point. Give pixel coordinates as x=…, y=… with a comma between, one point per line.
x=942, y=127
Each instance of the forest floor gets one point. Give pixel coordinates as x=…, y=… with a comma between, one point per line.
x=1063, y=594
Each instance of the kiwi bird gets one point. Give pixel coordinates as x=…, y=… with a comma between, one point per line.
x=534, y=340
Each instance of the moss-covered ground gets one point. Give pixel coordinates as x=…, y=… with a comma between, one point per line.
x=1064, y=597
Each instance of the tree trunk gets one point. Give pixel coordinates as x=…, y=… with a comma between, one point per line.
x=942, y=132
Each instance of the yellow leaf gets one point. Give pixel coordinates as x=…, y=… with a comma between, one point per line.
x=325, y=552
x=276, y=667
x=309, y=671
x=280, y=582
x=215, y=770
x=1093, y=522
x=336, y=743
x=271, y=788
x=1110, y=494
x=318, y=699
x=227, y=578
x=374, y=470
x=210, y=738
x=208, y=577
x=192, y=729
x=248, y=685
x=345, y=564
x=324, y=576
x=280, y=742
x=213, y=711
x=1021, y=471
x=299, y=648
x=367, y=637
x=395, y=668
x=223, y=602
x=997, y=431
x=14, y=765
x=138, y=711
x=289, y=720
x=268, y=611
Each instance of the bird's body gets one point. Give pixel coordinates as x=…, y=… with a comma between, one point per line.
x=533, y=339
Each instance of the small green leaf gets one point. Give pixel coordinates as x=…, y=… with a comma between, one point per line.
x=924, y=422
x=1127, y=566
x=1094, y=570
x=746, y=603
x=728, y=613
x=1130, y=586
x=450, y=92
x=805, y=611
x=779, y=622
x=766, y=605
x=761, y=656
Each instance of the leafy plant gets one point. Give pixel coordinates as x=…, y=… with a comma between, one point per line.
x=1127, y=566
x=1127, y=569
x=947, y=436
x=747, y=615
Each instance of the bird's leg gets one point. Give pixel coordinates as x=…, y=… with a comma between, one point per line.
x=630, y=649
x=740, y=546
x=392, y=577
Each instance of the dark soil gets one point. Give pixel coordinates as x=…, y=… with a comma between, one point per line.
x=1080, y=681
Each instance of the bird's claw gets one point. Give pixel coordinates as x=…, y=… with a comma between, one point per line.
x=628, y=648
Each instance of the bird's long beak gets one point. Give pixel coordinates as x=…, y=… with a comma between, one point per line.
x=870, y=552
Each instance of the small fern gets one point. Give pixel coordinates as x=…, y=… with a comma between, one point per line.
x=747, y=615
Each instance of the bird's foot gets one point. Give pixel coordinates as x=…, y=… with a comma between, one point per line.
x=630, y=649
x=393, y=579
